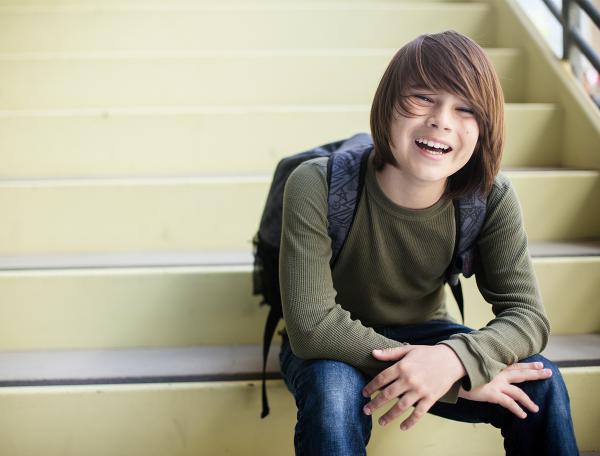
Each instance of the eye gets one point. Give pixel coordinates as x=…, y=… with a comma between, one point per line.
x=423, y=97
x=467, y=110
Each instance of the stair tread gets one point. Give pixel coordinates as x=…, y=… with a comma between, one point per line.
x=223, y=258
x=200, y=363
x=190, y=179
x=216, y=53
x=186, y=5
x=191, y=110
x=172, y=363
x=564, y=249
x=126, y=260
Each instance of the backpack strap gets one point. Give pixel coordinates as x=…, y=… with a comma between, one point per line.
x=270, y=326
x=346, y=172
x=267, y=258
x=469, y=213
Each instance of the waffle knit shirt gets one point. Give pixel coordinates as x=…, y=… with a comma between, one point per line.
x=391, y=272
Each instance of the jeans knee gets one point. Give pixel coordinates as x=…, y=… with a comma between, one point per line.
x=549, y=430
x=330, y=394
x=550, y=392
x=337, y=388
x=330, y=419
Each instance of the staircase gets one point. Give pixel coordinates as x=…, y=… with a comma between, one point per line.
x=137, y=142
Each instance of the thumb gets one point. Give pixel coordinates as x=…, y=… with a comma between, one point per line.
x=391, y=354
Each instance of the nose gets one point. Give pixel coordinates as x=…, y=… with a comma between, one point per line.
x=440, y=117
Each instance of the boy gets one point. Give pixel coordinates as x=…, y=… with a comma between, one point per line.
x=437, y=126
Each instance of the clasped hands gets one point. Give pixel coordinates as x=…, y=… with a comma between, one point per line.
x=424, y=373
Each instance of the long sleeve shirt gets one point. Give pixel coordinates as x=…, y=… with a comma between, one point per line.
x=391, y=272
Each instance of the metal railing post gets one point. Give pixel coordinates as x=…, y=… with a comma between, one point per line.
x=566, y=29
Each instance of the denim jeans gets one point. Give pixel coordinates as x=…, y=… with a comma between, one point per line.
x=329, y=399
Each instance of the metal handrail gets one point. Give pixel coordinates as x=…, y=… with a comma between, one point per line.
x=571, y=36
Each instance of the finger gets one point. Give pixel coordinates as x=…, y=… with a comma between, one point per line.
x=403, y=404
x=536, y=365
x=519, y=395
x=518, y=376
x=392, y=354
x=508, y=403
x=384, y=378
x=419, y=412
x=392, y=391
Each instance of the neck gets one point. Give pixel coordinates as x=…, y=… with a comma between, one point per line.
x=407, y=192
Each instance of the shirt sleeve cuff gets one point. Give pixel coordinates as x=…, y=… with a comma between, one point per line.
x=475, y=376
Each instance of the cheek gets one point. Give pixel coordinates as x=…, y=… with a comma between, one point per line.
x=471, y=130
x=471, y=136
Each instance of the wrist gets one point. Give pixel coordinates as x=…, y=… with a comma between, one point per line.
x=457, y=369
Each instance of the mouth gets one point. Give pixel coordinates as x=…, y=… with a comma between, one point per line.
x=432, y=149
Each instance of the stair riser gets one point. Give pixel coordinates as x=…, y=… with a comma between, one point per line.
x=226, y=27
x=213, y=80
x=559, y=206
x=192, y=419
x=155, y=142
x=564, y=303
x=192, y=306
x=155, y=307
x=223, y=213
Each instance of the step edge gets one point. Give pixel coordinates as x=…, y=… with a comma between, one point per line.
x=237, y=178
x=254, y=6
x=200, y=363
x=103, y=112
x=235, y=53
x=209, y=259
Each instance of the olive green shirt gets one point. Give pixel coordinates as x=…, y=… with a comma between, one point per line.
x=391, y=272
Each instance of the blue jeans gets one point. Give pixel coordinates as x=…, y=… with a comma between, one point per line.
x=329, y=401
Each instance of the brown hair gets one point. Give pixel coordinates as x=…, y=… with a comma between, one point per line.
x=453, y=63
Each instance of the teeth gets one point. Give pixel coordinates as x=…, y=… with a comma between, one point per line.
x=433, y=144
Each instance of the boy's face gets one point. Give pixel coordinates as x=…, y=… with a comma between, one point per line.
x=442, y=118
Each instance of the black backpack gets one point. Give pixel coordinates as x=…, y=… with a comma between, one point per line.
x=346, y=170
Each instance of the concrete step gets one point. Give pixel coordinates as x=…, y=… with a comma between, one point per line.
x=112, y=142
x=129, y=366
x=570, y=192
x=210, y=78
x=70, y=302
x=196, y=418
x=200, y=363
x=36, y=263
x=238, y=25
x=222, y=213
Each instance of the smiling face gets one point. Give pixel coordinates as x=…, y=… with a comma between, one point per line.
x=451, y=69
x=438, y=140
